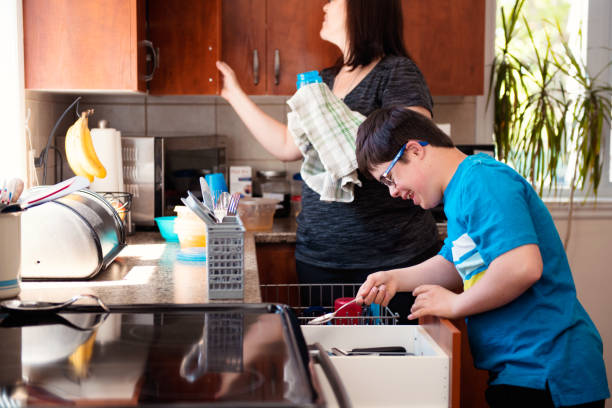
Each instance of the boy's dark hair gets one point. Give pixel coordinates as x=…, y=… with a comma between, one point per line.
x=375, y=29
x=385, y=130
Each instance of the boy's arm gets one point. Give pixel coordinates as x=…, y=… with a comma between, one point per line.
x=380, y=287
x=507, y=277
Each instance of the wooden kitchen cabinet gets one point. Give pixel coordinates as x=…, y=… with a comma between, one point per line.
x=78, y=45
x=187, y=34
x=268, y=43
x=446, y=40
x=276, y=263
x=102, y=45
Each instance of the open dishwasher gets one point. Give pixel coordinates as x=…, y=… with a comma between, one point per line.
x=379, y=362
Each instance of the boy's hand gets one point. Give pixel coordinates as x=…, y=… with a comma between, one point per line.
x=379, y=288
x=433, y=300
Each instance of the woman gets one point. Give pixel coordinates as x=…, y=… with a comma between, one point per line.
x=344, y=242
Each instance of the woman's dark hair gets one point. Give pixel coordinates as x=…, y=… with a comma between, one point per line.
x=385, y=130
x=375, y=29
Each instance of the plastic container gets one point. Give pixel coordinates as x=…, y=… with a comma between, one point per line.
x=309, y=77
x=257, y=213
x=10, y=251
x=190, y=229
x=166, y=228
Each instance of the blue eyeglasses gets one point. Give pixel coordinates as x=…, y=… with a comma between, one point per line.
x=384, y=178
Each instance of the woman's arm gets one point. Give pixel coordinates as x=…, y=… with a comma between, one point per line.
x=272, y=134
x=423, y=111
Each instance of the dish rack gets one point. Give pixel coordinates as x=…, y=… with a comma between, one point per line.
x=310, y=300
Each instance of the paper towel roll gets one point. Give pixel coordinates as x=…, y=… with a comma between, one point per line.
x=107, y=143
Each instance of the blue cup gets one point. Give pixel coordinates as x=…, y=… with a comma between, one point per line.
x=216, y=182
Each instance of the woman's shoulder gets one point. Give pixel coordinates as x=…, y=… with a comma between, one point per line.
x=396, y=62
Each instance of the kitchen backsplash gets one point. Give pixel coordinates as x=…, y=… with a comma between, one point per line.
x=204, y=115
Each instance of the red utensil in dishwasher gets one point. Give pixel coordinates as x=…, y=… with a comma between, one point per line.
x=351, y=310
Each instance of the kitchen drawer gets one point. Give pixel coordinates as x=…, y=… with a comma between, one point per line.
x=422, y=379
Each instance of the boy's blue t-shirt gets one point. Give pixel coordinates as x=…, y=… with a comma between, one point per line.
x=544, y=336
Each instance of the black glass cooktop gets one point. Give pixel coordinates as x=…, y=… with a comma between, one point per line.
x=235, y=355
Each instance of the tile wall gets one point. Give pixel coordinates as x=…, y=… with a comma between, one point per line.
x=205, y=115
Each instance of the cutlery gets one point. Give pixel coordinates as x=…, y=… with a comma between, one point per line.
x=372, y=351
x=203, y=215
x=222, y=205
x=48, y=194
x=233, y=205
x=206, y=194
x=329, y=316
x=194, y=200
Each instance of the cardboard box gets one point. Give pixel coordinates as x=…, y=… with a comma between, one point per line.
x=241, y=180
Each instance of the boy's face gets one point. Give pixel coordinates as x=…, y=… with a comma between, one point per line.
x=410, y=178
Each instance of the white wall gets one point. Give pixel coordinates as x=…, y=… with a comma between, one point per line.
x=589, y=252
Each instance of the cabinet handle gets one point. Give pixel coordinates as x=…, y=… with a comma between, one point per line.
x=276, y=66
x=255, y=67
x=153, y=55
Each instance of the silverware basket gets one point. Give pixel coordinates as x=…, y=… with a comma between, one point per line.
x=225, y=259
x=310, y=300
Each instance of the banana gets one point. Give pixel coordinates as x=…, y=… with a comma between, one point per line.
x=73, y=150
x=80, y=151
x=91, y=163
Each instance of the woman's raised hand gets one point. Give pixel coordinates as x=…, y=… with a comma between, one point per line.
x=379, y=288
x=230, y=83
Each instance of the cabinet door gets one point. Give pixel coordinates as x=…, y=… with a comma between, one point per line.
x=446, y=40
x=244, y=42
x=294, y=44
x=74, y=45
x=187, y=34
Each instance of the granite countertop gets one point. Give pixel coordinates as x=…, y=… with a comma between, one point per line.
x=146, y=272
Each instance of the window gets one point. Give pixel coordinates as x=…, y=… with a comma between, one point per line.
x=12, y=103
x=592, y=18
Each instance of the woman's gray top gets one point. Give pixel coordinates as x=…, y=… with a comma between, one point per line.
x=375, y=230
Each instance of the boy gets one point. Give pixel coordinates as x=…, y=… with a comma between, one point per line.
x=525, y=323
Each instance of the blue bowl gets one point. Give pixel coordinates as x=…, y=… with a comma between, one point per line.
x=166, y=228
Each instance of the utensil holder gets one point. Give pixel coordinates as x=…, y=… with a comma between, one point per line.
x=225, y=259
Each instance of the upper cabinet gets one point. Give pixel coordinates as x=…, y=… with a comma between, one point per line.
x=446, y=40
x=84, y=45
x=170, y=46
x=107, y=46
x=186, y=36
x=269, y=42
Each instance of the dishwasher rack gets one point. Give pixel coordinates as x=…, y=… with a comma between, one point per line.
x=309, y=300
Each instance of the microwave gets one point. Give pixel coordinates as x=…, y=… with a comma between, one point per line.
x=159, y=170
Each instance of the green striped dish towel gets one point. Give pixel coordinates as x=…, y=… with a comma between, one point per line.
x=325, y=129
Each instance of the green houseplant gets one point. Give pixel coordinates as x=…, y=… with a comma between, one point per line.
x=549, y=112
